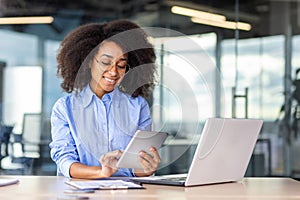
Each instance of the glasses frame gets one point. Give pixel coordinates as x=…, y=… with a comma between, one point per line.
x=126, y=69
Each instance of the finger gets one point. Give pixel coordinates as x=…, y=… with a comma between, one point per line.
x=147, y=162
x=110, y=159
x=113, y=154
x=118, y=154
x=146, y=156
x=102, y=158
x=152, y=158
x=155, y=155
x=147, y=167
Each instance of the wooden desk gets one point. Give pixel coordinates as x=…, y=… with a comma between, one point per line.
x=51, y=187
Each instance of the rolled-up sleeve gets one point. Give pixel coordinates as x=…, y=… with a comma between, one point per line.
x=63, y=148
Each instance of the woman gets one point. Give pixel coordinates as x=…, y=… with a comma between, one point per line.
x=108, y=69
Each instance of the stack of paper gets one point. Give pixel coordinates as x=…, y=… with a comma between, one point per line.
x=8, y=181
x=103, y=184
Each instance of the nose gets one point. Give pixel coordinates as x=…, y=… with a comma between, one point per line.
x=113, y=71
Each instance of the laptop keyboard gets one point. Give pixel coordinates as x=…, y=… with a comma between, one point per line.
x=174, y=178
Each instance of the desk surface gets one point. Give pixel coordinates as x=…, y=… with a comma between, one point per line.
x=52, y=187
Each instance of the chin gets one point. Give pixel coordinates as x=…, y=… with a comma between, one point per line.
x=109, y=88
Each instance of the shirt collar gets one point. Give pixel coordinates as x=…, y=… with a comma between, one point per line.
x=87, y=95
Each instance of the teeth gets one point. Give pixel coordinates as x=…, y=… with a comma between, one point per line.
x=109, y=80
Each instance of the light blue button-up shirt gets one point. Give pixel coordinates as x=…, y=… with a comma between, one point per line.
x=84, y=127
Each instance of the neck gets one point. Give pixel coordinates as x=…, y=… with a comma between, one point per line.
x=97, y=90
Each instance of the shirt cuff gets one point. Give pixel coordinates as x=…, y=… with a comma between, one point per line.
x=133, y=174
x=65, y=167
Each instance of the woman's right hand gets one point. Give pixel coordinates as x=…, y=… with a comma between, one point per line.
x=109, y=161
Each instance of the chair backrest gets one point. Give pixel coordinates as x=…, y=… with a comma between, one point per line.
x=31, y=132
x=5, y=132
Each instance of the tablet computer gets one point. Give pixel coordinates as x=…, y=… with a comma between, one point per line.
x=142, y=140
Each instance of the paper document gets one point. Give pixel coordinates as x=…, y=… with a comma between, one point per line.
x=8, y=181
x=103, y=184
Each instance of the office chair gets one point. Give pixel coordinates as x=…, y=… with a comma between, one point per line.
x=5, y=132
x=6, y=165
x=26, y=146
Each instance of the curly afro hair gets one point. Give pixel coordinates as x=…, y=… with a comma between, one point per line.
x=79, y=47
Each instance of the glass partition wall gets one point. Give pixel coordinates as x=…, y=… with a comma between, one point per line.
x=263, y=70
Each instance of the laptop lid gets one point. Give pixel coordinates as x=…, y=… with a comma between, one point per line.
x=222, y=154
x=224, y=150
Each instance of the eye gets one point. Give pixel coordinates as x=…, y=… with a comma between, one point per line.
x=122, y=65
x=106, y=62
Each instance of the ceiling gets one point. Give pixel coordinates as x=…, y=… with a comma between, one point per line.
x=267, y=17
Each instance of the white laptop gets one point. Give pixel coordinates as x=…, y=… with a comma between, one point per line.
x=222, y=155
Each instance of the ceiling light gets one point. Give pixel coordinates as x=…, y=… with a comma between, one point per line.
x=26, y=20
x=224, y=24
x=196, y=13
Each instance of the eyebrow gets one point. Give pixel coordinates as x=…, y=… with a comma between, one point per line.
x=109, y=56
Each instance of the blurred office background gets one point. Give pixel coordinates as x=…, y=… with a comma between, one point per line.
x=206, y=68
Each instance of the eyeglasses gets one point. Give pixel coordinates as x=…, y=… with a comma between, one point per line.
x=107, y=64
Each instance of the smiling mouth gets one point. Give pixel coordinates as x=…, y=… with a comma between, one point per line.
x=112, y=81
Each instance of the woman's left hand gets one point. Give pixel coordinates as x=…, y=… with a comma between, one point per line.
x=149, y=162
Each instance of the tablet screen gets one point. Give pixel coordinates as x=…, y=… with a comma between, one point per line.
x=142, y=140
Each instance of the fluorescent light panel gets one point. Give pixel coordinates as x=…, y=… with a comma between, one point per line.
x=224, y=24
x=196, y=13
x=26, y=20
x=210, y=19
